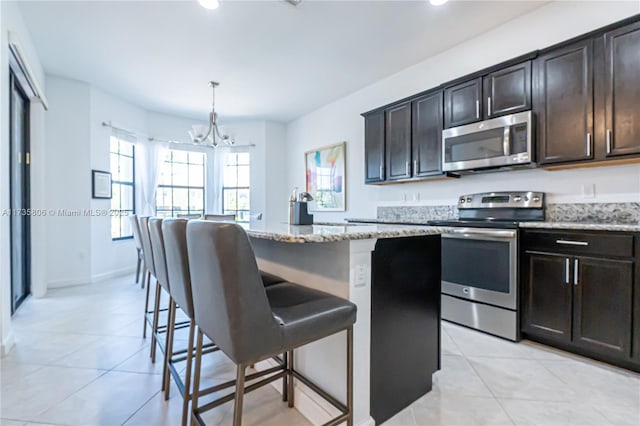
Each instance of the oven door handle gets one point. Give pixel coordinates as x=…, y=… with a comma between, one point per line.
x=472, y=233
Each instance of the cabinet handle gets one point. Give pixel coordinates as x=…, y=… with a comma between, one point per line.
x=489, y=106
x=415, y=166
x=381, y=172
x=566, y=271
x=609, y=137
x=572, y=243
x=406, y=168
x=588, y=144
x=477, y=109
x=575, y=271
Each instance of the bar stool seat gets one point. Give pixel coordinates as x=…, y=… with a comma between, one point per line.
x=306, y=314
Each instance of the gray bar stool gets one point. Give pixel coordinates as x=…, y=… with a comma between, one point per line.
x=145, y=239
x=250, y=322
x=135, y=228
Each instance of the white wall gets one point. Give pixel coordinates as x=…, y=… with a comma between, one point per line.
x=341, y=120
x=11, y=20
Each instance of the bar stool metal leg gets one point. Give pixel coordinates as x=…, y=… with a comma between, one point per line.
x=290, y=395
x=187, y=378
x=146, y=304
x=350, y=375
x=196, y=378
x=156, y=315
x=138, y=267
x=285, y=386
x=168, y=351
x=237, y=406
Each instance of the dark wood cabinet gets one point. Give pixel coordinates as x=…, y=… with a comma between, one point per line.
x=427, y=135
x=398, y=142
x=546, y=294
x=508, y=90
x=602, y=305
x=622, y=91
x=580, y=293
x=374, y=147
x=564, y=104
x=462, y=103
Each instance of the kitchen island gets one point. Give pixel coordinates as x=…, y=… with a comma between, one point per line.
x=392, y=274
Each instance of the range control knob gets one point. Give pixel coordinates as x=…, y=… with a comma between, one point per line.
x=536, y=199
x=469, y=199
x=461, y=200
x=526, y=199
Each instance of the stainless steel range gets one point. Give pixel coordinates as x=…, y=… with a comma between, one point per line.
x=480, y=260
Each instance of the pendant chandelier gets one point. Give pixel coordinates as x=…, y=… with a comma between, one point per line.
x=213, y=136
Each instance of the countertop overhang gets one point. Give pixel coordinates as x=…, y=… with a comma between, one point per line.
x=327, y=233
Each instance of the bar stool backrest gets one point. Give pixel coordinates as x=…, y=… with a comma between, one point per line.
x=135, y=228
x=229, y=299
x=146, y=244
x=220, y=217
x=174, y=232
x=157, y=247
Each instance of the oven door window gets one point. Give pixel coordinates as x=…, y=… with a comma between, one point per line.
x=476, y=263
x=475, y=146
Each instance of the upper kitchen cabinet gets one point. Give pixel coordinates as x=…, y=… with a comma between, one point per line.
x=374, y=147
x=564, y=104
x=462, y=103
x=622, y=90
x=398, y=141
x=427, y=135
x=508, y=90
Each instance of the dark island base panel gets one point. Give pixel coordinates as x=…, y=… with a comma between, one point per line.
x=405, y=322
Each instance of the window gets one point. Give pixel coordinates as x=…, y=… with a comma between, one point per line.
x=235, y=186
x=181, y=185
x=122, y=155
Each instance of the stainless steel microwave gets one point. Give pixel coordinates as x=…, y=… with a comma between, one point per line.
x=501, y=141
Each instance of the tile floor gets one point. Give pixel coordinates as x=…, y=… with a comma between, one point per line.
x=80, y=360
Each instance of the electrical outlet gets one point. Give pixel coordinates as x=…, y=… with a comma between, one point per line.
x=588, y=190
x=416, y=196
x=404, y=197
x=361, y=275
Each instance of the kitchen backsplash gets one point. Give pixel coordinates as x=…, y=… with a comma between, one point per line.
x=622, y=213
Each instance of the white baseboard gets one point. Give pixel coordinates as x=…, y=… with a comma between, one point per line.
x=94, y=278
x=7, y=344
x=308, y=403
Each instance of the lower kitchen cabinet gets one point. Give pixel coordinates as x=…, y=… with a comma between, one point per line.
x=578, y=291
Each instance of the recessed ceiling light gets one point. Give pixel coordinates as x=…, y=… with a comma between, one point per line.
x=212, y=4
x=438, y=2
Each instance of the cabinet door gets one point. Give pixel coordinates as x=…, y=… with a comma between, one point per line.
x=602, y=305
x=565, y=104
x=427, y=135
x=546, y=298
x=622, y=90
x=398, y=142
x=508, y=90
x=374, y=147
x=462, y=103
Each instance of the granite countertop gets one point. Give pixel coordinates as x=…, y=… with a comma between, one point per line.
x=587, y=226
x=325, y=233
x=387, y=221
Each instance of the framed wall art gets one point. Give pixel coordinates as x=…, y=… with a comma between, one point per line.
x=326, y=177
x=100, y=184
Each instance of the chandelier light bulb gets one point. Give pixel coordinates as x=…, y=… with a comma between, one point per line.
x=209, y=4
x=437, y=2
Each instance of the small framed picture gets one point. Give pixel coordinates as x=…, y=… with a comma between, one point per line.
x=100, y=184
x=325, y=170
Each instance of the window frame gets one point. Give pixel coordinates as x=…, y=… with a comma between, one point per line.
x=187, y=187
x=131, y=183
x=237, y=188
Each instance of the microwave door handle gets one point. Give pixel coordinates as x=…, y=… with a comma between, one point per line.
x=506, y=145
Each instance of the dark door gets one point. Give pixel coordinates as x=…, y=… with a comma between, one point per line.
x=398, y=142
x=374, y=147
x=427, y=135
x=546, y=298
x=602, y=305
x=508, y=90
x=565, y=104
x=19, y=192
x=462, y=103
x=622, y=90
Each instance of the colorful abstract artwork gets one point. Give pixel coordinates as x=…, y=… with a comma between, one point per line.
x=326, y=176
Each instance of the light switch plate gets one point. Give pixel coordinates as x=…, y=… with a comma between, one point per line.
x=361, y=275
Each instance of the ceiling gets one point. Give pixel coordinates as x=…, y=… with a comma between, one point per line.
x=274, y=61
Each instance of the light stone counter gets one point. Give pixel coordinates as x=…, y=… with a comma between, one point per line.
x=329, y=233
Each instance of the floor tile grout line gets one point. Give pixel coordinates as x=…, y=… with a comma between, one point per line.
x=140, y=407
